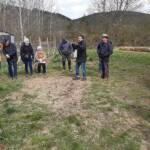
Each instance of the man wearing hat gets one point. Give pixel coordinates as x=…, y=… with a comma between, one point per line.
x=104, y=51
x=27, y=55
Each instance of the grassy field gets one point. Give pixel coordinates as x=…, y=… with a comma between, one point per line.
x=113, y=115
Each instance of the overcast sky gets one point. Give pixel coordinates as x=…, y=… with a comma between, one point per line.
x=73, y=8
x=77, y=8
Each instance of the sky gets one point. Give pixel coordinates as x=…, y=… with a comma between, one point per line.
x=78, y=8
x=73, y=8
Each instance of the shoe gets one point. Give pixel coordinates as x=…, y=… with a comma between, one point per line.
x=84, y=79
x=103, y=76
x=27, y=76
x=76, y=78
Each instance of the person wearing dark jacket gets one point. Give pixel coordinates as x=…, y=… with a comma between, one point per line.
x=104, y=51
x=27, y=55
x=65, y=50
x=10, y=51
x=81, y=58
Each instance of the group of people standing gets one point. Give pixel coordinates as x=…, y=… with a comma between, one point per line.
x=66, y=50
x=27, y=56
x=104, y=51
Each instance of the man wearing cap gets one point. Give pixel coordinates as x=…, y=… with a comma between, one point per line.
x=27, y=55
x=10, y=51
x=104, y=51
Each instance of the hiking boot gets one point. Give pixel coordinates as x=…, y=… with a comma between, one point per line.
x=76, y=78
x=84, y=79
x=103, y=76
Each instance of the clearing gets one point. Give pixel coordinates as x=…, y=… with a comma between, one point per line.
x=54, y=112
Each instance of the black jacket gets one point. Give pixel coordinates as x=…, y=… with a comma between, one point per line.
x=81, y=51
x=26, y=52
x=11, y=50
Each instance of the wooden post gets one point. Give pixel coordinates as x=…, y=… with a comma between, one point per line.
x=1, y=48
x=48, y=47
x=40, y=43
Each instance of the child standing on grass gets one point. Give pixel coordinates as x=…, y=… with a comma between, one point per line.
x=40, y=57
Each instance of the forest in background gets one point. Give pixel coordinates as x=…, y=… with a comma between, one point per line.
x=32, y=19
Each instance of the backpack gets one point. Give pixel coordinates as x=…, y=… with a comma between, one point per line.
x=66, y=49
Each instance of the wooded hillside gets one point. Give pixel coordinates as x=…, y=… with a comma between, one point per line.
x=125, y=28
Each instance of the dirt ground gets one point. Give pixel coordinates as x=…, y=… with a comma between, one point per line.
x=61, y=94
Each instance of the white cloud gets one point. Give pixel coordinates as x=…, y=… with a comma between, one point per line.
x=73, y=8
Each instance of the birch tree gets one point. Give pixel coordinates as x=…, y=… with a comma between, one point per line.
x=51, y=8
x=3, y=8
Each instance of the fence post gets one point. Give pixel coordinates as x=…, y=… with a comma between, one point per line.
x=48, y=47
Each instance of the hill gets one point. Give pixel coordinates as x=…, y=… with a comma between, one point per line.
x=124, y=28
x=36, y=23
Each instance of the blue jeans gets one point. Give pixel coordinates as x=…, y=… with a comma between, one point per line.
x=28, y=65
x=12, y=68
x=83, y=67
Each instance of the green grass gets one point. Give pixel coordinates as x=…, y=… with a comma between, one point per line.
x=7, y=86
x=117, y=111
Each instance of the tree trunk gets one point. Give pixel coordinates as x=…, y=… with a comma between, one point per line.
x=21, y=23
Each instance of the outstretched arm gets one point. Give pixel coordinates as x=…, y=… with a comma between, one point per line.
x=82, y=46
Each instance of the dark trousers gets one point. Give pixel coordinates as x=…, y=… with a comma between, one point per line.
x=28, y=66
x=68, y=58
x=83, y=67
x=104, y=65
x=42, y=66
x=12, y=68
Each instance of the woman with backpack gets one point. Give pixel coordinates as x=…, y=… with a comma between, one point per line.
x=104, y=51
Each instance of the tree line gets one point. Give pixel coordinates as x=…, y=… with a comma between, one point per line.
x=39, y=21
x=27, y=17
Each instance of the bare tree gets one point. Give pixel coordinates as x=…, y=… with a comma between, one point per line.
x=51, y=8
x=114, y=5
x=20, y=2
x=25, y=8
x=3, y=8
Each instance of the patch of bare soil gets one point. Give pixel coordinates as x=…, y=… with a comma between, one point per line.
x=61, y=94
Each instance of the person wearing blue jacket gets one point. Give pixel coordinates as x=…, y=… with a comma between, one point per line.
x=65, y=49
x=10, y=51
x=104, y=51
